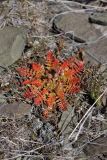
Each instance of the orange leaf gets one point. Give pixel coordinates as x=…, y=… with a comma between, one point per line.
x=36, y=67
x=49, y=56
x=37, y=82
x=60, y=92
x=64, y=65
x=50, y=100
x=69, y=73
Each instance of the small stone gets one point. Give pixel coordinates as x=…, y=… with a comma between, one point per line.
x=36, y=43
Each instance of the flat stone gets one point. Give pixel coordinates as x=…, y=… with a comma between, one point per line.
x=16, y=110
x=99, y=18
x=98, y=50
x=78, y=23
x=12, y=44
x=65, y=120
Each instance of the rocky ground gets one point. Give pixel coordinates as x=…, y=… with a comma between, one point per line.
x=28, y=30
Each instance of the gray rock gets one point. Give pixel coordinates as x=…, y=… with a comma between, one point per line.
x=99, y=18
x=98, y=50
x=65, y=120
x=97, y=146
x=78, y=23
x=16, y=110
x=12, y=44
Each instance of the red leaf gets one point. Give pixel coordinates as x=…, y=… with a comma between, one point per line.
x=49, y=56
x=63, y=105
x=37, y=100
x=22, y=71
x=81, y=65
x=64, y=65
x=44, y=91
x=26, y=82
x=75, y=89
x=28, y=94
x=36, y=67
x=34, y=89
